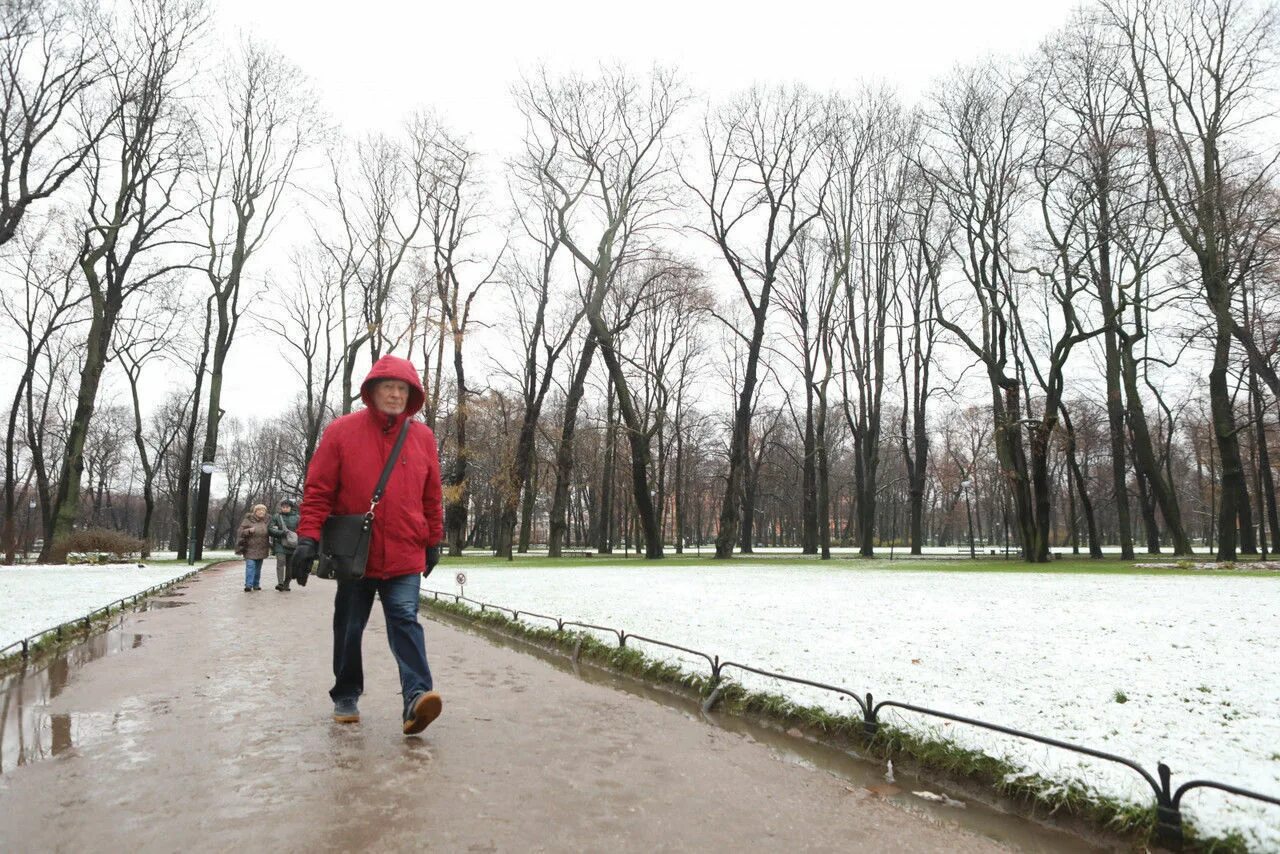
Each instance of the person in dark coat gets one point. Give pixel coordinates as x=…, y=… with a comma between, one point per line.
x=281, y=526
x=253, y=543
x=405, y=540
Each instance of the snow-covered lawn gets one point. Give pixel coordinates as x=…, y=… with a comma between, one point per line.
x=1180, y=669
x=36, y=598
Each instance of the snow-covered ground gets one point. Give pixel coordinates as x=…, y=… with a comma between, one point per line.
x=36, y=598
x=1179, y=669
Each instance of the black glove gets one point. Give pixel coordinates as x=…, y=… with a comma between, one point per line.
x=302, y=558
x=433, y=558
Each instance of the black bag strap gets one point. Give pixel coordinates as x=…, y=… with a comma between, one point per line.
x=388, y=468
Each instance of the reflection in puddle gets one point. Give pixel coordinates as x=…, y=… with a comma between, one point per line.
x=28, y=733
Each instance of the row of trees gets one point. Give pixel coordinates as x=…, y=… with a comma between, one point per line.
x=792, y=317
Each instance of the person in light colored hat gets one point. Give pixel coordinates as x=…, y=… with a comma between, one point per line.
x=253, y=544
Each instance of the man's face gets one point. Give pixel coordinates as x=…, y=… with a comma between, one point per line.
x=391, y=396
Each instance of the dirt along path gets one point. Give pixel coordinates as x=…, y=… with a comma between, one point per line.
x=210, y=730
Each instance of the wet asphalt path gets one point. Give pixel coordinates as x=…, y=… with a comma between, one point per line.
x=212, y=732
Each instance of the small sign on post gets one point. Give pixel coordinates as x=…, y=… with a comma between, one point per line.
x=461, y=578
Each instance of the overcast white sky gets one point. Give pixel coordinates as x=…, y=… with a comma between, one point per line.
x=374, y=61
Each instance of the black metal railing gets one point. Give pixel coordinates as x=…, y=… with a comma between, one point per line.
x=86, y=622
x=1169, y=823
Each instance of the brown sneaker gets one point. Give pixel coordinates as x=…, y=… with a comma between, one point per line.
x=422, y=711
x=345, y=712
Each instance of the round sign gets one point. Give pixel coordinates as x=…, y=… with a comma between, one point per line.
x=461, y=578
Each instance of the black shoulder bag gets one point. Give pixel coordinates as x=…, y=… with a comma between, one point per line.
x=344, y=540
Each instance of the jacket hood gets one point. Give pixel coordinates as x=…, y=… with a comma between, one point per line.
x=394, y=368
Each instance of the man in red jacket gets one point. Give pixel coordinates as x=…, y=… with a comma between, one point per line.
x=405, y=540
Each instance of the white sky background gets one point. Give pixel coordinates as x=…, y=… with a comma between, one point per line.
x=376, y=61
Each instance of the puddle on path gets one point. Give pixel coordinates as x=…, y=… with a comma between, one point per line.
x=28, y=733
x=865, y=778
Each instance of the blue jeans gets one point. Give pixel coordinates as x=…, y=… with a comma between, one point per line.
x=351, y=606
x=252, y=572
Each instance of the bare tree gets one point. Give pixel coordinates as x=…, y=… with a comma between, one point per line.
x=48, y=302
x=307, y=322
x=453, y=217
x=50, y=63
x=807, y=294
x=140, y=341
x=557, y=525
x=134, y=182
x=928, y=233
x=764, y=183
x=867, y=228
x=1198, y=72
x=395, y=183
x=1086, y=89
x=543, y=340
x=266, y=118
x=601, y=146
x=976, y=155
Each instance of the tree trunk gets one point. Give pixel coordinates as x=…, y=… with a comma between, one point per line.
x=1013, y=462
x=526, y=510
x=730, y=506
x=1227, y=441
x=513, y=483
x=67, y=500
x=679, y=487
x=564, y=453
x=917, y=468
x=824, y=480
x=1145, y=458
x=809, y=479
x=747, y=545
x=10, y=473
x=183, y=511
x=638, y=440
x=455, y=508
x=1116, y=431
x=1151, y=528
x=1266, y=487
x=1244, y=512
x=867, y=502
x=1082, y=489
x=604, y=534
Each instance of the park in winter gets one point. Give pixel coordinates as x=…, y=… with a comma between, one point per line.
x=835, y=429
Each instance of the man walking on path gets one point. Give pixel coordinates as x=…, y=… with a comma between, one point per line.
x=405, y=540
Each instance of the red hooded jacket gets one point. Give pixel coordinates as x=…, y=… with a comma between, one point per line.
x=345, y=470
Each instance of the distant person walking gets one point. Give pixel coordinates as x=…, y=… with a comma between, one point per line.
x=253, y=543
x=283, y=529
x=405, y=540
